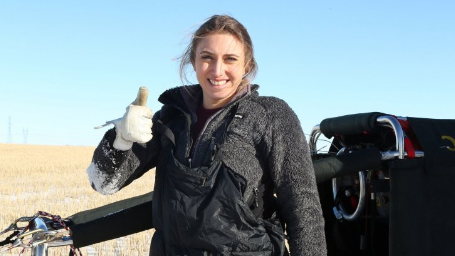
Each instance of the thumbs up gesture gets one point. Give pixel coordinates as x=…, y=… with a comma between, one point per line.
x=136, y=123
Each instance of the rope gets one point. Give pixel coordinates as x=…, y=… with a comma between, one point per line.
x=8, y=240
x=59, y=220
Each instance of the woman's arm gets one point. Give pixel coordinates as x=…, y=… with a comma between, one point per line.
x=294, y=180
x=112, y=169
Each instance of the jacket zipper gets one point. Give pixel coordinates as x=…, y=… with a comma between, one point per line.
x=256, y=201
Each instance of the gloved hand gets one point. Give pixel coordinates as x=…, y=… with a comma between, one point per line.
x=135, y=125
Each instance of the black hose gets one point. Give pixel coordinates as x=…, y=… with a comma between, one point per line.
x=341, y=165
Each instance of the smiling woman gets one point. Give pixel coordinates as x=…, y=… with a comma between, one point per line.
x=220, y=51
x=229, y=163
x=220, y=67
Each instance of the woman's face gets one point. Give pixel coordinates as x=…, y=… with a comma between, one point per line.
x=220, y=65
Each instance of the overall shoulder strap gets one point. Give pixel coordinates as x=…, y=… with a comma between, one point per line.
x=167, y=136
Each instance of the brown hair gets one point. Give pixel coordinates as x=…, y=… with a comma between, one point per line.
x=221, y=24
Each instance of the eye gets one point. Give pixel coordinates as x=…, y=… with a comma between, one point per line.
x=206, y=57
x=231, y=59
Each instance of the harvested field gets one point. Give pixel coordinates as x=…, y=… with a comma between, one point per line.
x=53, y=179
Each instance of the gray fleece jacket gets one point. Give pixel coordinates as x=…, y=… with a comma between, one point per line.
x=262, y=141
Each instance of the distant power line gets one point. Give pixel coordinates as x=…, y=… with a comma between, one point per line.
x=10, y=135
x=25, y=133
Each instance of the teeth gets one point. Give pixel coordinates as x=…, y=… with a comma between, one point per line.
x=217, y=82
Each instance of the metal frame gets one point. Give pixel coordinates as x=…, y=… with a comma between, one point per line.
x=387, y=121
x=40, y=237
x=398, y=153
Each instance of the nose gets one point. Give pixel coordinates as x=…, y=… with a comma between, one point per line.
x=217, y=67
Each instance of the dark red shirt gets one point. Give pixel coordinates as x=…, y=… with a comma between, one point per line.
x=202, y=116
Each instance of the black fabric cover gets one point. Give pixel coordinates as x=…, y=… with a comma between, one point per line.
x=350, y=124
x=113, y=225
x=99, y=212
x=422, y=209
x=437, y=139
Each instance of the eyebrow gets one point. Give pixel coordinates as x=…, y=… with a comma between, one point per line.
x=211, y=53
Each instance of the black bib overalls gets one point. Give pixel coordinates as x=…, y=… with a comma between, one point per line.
x=201, y=211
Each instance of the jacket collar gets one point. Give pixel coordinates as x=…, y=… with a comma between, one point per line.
x=189, y=96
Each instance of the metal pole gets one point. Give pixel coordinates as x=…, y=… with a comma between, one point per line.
x=40, y=250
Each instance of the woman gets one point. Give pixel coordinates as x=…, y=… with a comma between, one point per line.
x=230, y=165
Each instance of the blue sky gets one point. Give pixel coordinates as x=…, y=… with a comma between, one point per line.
x=67, y=66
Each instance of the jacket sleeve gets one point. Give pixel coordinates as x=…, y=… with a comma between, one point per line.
x=112, y=169
x=293, y=175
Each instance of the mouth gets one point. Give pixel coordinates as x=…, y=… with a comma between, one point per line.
x=218, y=83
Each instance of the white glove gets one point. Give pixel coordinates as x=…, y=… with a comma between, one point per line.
x=135, y=125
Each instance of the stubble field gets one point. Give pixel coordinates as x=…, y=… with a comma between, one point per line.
x=53, y=179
